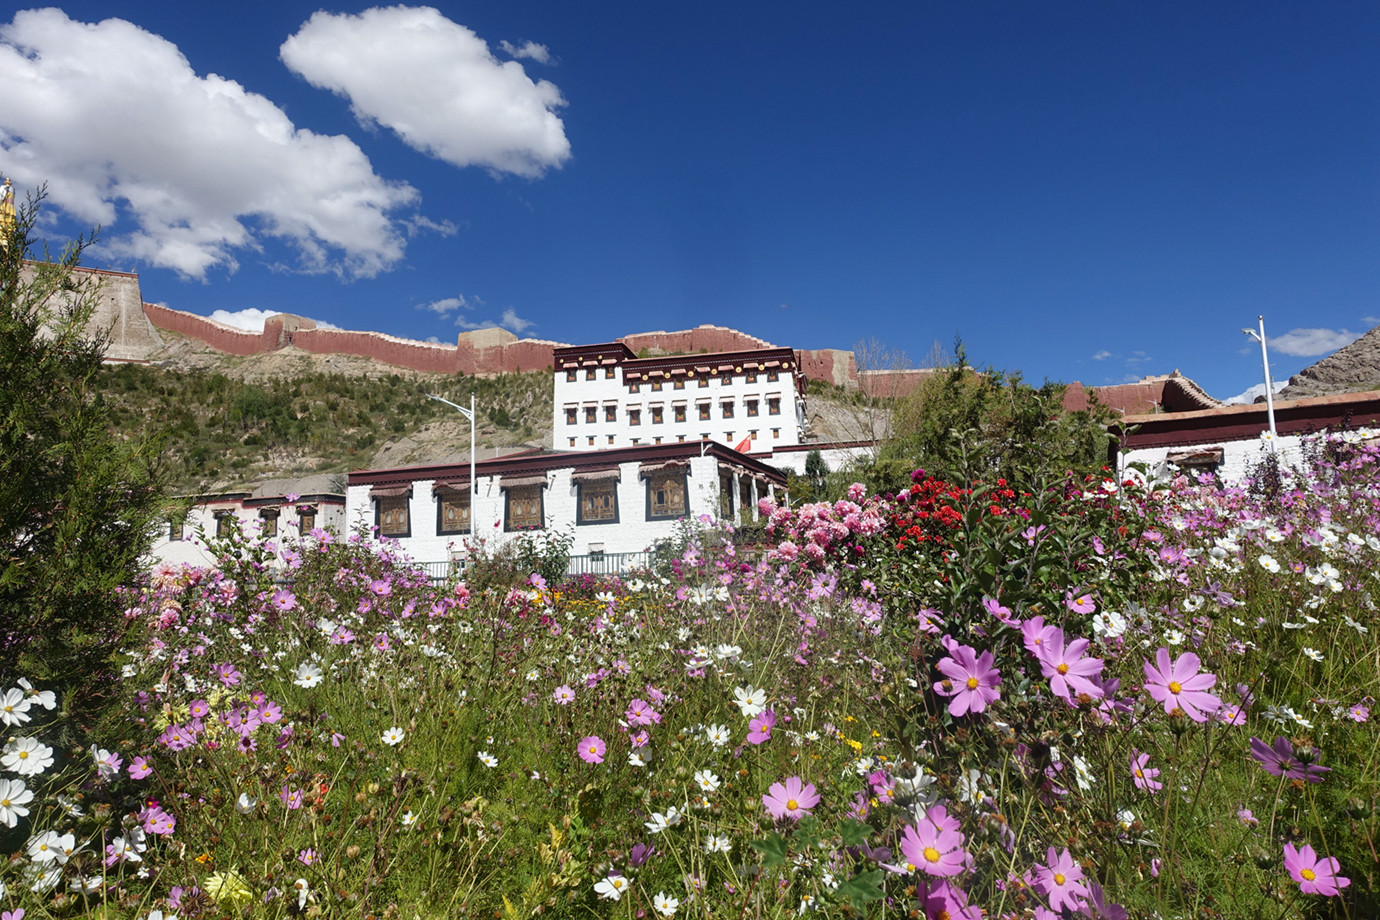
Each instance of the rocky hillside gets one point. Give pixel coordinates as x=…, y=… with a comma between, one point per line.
x=1353, y=368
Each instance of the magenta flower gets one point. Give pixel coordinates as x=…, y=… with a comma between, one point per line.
x=1035, y=634
x=592, y=749
x=1080, y=603
x=1069, y=673
x=790, y=799
x=157, y=821
x=1280, y=759
x=1315, y=876
x=139, y=768
x=996, y=609
x=1143, y=773
x=641, y=713
x=1180, y=687
x=935, y=845
x=760, y=726
x=1061, y=880
x=284, y=600
x=969, y=678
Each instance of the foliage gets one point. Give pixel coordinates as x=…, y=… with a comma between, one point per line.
x=962, y=424
x=735, y=738
x=76, y=504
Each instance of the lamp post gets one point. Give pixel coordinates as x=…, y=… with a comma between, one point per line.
x=1269, y=385
x=469, y=414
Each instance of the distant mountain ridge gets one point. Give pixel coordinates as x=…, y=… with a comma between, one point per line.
x=1350, y=369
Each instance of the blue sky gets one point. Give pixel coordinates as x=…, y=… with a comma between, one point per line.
x=1092, y=191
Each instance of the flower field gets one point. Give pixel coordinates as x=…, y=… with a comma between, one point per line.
x=1092, y=699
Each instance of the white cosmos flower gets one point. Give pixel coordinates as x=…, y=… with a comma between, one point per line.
x=308, y=675
x=717, y=843
x=666, y=906
x=707, y=781
x=14, y=795
x=635, y=759
x=394, y=736
x=750, y=700
x=26, y=757
x=611, y=888
x=727, y=651
x=44, y=698
x=661, y=821
x=1313, y=653
x=1109, y=624
x=14, y=707
x=488, y=759
x=717, y=735
x=50, y=846
x=1269, y=563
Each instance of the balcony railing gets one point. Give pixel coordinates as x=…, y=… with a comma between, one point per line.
x=591, y=564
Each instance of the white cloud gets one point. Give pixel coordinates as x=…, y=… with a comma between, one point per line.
x=1253, y=393
x=510, y=320
x=120, y=126
x=1102, y=355
x=528, y=49
x=251, y=319
x=436, y=84
x=1308, y=343
x=451, y=304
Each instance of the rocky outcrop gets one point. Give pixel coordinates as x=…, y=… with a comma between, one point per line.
x=1347, y=370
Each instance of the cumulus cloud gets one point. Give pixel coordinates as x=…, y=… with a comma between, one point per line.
x=510, y=321
x=1102, y=355
x=121, y=127
x=448, y=305
x=1309, y=343
x=435, y=84
x=252, y=319
x=528, y=49
x=1251, y=394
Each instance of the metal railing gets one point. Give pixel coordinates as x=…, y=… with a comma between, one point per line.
x=591, y=564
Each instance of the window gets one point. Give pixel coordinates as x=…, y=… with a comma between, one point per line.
x=634, y=388
x=656, y=440
x=680, y=439
x=656, y=386
x=524, y=510
x=306, y=518
x=680, y=413
x=725, y=496
x=570, y=376
x=572, y=442
x=176, y=530
x=224, y=521
x=636, y=441
x=773, y=375
x=725, y=380
x=453, y=511
x=776, y=434
x=610, y=413
x=390, y=516
x=728, y=436
x=704, y=382
x=598, y=502
x=679, y=383
x=751, y=407
x=704, y=411
x=727, y=408
x=753, y=434
x=591, y=414
x=591, y=440
x=774, y=405
x=570, y=417
x=269, y=519
x=610, y=439
x=608, y=373
x=751, y=377
x=634, y=417
x=657, y=415
x=666, y=495
x=589, y=374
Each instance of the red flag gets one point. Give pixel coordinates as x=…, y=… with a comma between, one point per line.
x=745, y=446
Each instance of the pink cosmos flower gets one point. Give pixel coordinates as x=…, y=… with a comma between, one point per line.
x=1143, y=773
x=970, y=680
x=790, y=799
x=284, y=600
x=1315, y=876
x=1180, y=687
x=564, y=695
x=1035, y=634
x=995, y=608
x=592, y=749
x=1069, y=673
x=760, y=726
x=157, y=821
x=935, y=845
x=1061, y=880
x=1080, y=603
x=640, y=713
x=139, y=768
x=1280, y=759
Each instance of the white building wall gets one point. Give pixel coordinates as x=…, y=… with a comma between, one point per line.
x=1238, y=457
x=782, y=429
x=201, y=522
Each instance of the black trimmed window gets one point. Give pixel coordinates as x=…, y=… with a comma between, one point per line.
x=679, y=413
x=679, y=383
x=453, y=511
x=570, y=376
x=572, y=415
x=666, y=495
x=658, y=415
x=704, y=382
x=177, y=530
x=597, y=502
x=726, y=407
x=774, y=405
x=634, y=417
x=751, y=407
x=306, y=518
x=591, y=414
x=773, y=375
x=608, y=373
x=656, y=386
x=269, y=519
x=224, y=521
x=392, y=517
x=611, y=413
x=704, y=411
x=589, y=374
x=523, y=508
x=751, y=377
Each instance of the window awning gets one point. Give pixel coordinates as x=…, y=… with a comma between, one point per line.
x=515, y=482
x=394, y=491
x=610, y=475
x=660, y=466
x=451, y=485
x=1205, y=456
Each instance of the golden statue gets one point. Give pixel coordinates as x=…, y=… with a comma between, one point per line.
x=6, y=213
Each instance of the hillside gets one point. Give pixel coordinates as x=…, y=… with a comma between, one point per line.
x=1347, y=370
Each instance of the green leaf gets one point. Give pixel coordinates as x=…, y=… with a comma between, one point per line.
x=773, y=850
x=861, y=888
x=853, y=833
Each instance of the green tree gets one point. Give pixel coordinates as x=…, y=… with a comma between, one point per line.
x=77, y=503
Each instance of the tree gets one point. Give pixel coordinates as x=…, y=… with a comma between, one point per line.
x=77, y=504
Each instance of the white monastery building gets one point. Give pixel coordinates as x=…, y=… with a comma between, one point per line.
x=605, y=396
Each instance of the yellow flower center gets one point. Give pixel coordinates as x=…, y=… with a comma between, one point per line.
x=1309, y=874
x=1175, y=687
x=931, y=854
x=792, y=804
x=1063, y=668
x=972, y=683
x=4, y=803
x=23, y=755
x=1058, y=878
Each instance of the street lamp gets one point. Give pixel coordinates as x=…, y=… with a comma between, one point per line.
x=469, y=414
x=1269, y=385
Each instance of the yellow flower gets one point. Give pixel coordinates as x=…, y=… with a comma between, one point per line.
x=228, y=886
